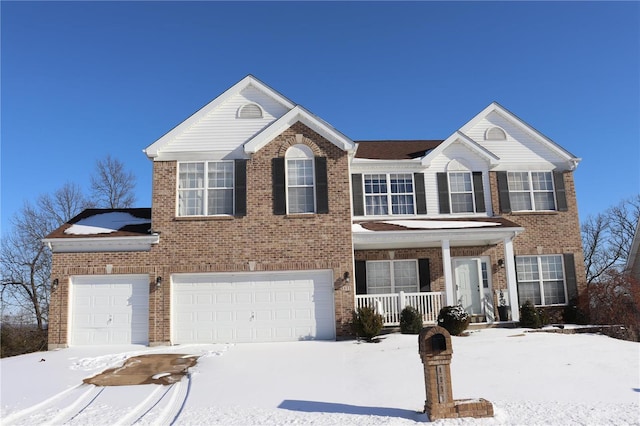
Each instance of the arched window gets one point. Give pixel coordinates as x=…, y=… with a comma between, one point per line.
x=300, y=179
x=495, y=134
x=250, y=111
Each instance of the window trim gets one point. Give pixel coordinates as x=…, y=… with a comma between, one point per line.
x=310, y=158
x=472, y=192
x=392, y=275
x=389, y=194
x=205, y=189
x=531, y=191
x=541, y=279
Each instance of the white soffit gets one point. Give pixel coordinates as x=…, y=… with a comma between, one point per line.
x=101, y=244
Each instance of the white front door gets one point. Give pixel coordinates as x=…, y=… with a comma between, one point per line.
x=468, y=276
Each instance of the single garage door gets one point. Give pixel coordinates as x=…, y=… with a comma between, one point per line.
x=252, y=307
x=109, y=310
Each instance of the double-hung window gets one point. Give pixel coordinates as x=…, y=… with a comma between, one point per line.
x=390, y=193
x=205, y=188
x=461, y=192
x=541, y=280
x=392, y=276
x=300, y=180
x=531, y=191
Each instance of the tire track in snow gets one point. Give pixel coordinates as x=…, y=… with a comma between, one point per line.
x=79, y=394
x=167, y=408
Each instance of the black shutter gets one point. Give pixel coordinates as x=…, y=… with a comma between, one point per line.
x=356, y=189
x=478, y=192
x=425, y=274
x=421, y=196
x=570, y=277
x=561, y=197
x=240, y=188
x=443, y=192
x=503, y=192
x=322, y=189
x=279, y=193
x=361, y=277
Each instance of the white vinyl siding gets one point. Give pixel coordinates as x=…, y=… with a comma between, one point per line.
x=392, y=276
x=531, y=191
x=541, y=280
x=389, y=193
x=198, y=196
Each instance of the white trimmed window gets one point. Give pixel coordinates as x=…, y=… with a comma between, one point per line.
x=205, y=188
x=390, y=189
x=541, y=280
x=461, y=192
x=392, y=276
x=531, y=191
x=300, y=178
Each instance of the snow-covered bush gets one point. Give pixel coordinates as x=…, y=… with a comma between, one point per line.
x=366, y=323
x=454, y=319
x=410, y=321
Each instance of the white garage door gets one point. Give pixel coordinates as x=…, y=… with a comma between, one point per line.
x=109, y=310
x=252, y=307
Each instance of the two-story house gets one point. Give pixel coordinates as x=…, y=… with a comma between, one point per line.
x=268, y=224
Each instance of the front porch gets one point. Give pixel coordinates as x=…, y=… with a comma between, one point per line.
x=390, y=305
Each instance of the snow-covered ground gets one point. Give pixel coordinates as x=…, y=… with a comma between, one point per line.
x=531, y=378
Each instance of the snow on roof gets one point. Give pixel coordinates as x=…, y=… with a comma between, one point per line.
x=104, y=223
x=439, y=224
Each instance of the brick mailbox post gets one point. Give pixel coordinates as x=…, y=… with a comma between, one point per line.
x=434, y=346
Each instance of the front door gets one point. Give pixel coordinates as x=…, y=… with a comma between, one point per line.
x=468, y=276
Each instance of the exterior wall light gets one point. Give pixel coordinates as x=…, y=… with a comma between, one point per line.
x=501, y=263
x=346, y=277
x=158, y=282
x=54, y=284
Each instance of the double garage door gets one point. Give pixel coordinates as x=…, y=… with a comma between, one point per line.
x=206, y=308
x=252, y=307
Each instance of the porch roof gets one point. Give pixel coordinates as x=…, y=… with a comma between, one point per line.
x=415, y=233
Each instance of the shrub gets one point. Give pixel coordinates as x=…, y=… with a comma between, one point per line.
x=366, y=323
x=573, y=314
x=529, y=316
x=410, y=321
x=454, y=319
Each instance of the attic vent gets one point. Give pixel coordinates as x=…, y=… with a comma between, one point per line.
x=250, y=111
x=495, y=134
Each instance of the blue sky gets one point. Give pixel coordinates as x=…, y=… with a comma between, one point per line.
x=80, y=80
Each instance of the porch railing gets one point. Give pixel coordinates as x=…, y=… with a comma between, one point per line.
x=390, y=305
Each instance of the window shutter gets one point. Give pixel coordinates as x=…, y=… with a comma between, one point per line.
x=240, y=187
x=279, y=190
x=421, y=196
x=361, y=277
x=570, y=277
x=356, y=189
x=561, y=197
x=503, y=192
x=322, y=190
x=478, y=192
x=443, y=192
x=425, y=274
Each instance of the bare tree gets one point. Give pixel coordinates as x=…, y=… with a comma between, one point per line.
x=111, y=185
x=607, y=238
x=25, y=263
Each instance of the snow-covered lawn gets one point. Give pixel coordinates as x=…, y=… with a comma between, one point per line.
x=531, y=378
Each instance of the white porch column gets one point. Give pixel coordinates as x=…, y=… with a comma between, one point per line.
x=448, y=274
x=512, y=284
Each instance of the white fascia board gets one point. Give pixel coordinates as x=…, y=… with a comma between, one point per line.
x=431, y=238
x=289, y=119
x=363, y=165
x=236, y=154
x=458, y=136
x=571, y=159
x=103, y=244
x=153, y=150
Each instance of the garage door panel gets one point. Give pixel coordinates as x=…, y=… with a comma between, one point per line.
x=111, y=309
x=255, y=306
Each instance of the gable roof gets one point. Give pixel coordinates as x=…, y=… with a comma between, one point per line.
x=153, y=149
x=516, y=121
x=298, y=114
x=395, y=149
x=466, y=141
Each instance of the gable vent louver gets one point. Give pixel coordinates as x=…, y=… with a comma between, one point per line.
x=495, y=134
x=250, y=111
